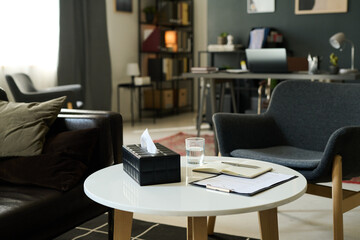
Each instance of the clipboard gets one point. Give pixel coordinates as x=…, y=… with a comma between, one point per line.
x=244, y=186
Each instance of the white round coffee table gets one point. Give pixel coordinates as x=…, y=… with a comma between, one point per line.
x=114, y=188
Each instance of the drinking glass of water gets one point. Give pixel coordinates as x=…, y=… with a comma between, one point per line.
x=195, y=150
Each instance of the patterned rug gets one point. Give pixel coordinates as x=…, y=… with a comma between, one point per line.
x=177, y=143
x=97, y=229
x=355, y=180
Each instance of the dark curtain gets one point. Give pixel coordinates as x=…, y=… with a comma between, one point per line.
x=84, y=56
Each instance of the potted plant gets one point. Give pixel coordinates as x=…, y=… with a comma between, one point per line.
x=149, y=13
x=334, y=68
x=222, y=38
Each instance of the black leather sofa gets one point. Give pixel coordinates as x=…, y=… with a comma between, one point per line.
x=32, y=212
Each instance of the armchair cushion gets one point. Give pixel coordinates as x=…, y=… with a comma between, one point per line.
x=24, y=126
x=284, y=155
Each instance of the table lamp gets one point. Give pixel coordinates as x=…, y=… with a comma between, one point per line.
x=171, y=40
x=337, y=41
x=132, y=70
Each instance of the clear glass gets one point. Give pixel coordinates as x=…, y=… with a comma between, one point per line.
x=195, y=147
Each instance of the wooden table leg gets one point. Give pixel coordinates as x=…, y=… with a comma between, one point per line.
x=122, y=225
x=269, y=224
x=199, y=228
x=211, y=225
x=189, y=229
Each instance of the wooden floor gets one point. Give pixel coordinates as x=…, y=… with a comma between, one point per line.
x=309, y=217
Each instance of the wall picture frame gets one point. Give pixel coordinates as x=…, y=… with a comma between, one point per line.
x=320, y=6
x=123, y=5
x=260, y=6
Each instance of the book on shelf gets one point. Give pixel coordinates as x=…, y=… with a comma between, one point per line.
x=234, y=169
x=204, y=69
x=177, y=40
x=152, y=41
x=155, y=69
x=167, y=68
x=174, y=13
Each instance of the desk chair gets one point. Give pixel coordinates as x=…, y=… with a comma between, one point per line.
x=311, y=127
x=23, y=90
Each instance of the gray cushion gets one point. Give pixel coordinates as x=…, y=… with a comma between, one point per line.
x=23, y=126
x=284, y=155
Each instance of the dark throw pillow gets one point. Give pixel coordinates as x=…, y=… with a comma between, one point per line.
x=64, y=162
x=23, y=126
x=55, y=170
x=79, y=144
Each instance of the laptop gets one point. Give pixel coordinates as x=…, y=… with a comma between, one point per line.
x=267, y=60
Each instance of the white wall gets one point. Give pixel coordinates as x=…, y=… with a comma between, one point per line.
x=200, y=29
x=123, y=41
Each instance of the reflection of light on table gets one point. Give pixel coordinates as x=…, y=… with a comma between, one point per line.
x=131, y=191
x=191, y=176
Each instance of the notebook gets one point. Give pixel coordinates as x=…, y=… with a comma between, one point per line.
x=233, y=168
x=267, y=60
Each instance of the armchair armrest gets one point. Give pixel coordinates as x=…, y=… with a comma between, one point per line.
x=69, y=87
x=245, y=131
x=346, y=142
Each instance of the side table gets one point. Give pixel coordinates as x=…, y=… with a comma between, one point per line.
x=132, y=88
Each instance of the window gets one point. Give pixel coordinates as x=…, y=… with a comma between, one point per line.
x=29, y=36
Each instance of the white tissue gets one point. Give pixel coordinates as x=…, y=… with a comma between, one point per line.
x=147, y=142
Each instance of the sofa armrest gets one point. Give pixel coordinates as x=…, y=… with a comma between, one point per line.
x=116, y=127
x=108, y=149
x=234, y=131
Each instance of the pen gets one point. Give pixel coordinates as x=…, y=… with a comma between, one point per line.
x=241, y=165
x=208, y=186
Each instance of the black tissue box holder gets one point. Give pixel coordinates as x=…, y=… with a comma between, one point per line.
x=147, y=168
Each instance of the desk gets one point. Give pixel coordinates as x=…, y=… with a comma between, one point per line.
x=114, y=188
x=209, y=78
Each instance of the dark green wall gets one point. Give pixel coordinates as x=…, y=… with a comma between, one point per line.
x=303, y=33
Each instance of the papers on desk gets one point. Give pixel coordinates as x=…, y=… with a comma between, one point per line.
x=244, y=186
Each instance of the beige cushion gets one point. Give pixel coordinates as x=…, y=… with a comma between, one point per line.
x=23, y=126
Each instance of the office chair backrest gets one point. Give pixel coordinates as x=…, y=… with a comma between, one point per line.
x=309, y=112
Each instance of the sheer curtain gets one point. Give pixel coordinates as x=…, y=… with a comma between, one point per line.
x=29, y=39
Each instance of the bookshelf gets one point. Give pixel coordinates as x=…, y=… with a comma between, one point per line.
x=165, y=52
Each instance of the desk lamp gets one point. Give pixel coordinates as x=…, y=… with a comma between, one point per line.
x=132, y=70
x=337, y=41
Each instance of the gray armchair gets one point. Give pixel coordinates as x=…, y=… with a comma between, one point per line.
x=23, y=90
x=311, y=127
